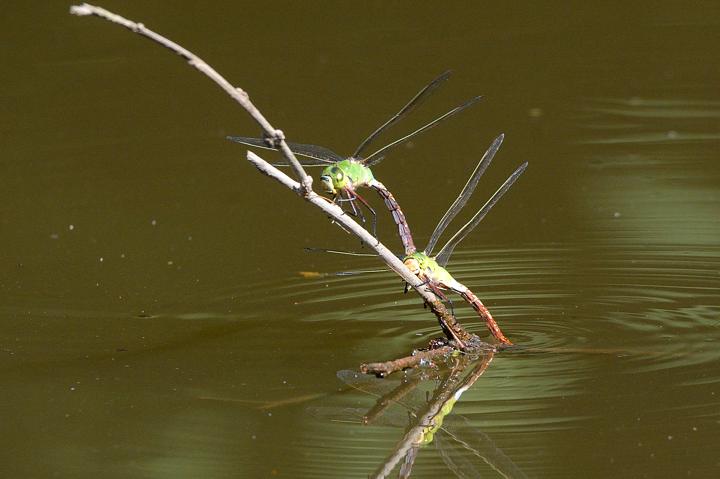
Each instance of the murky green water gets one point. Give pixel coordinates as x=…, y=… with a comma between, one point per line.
x=153, y=321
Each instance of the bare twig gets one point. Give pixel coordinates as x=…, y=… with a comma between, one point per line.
x=452, y=329
x=276, y=137
x=389, y=367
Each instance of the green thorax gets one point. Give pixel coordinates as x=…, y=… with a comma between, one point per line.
x=436, y=422
x=345, y=174
x=425, y=266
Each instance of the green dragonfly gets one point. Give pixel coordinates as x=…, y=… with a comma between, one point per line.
x=431, y=269
x=342, y=176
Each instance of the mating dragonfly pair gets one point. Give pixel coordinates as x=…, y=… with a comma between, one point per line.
x=341, y=177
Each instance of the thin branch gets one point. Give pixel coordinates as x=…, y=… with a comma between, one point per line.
x=452, y=329
x=388, y=367
x=276, y=137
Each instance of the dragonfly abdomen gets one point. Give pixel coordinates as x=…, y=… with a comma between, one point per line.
x=478, y=306
x=398, y=216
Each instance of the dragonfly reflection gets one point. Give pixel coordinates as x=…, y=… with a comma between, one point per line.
x=461, y=446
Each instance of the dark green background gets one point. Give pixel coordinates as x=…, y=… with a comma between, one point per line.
x=150, y=300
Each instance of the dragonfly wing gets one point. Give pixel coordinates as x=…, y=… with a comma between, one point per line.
x=465, y=194
x=337, y=251
x=403, y=392
x=455, y=456
x=460, y=443
x=444, y=255
x=415, y=101
x=318, y=154
x=361, y=271
x=433, y=123
x=397, y=418
x=373, y=161
x=336, y=413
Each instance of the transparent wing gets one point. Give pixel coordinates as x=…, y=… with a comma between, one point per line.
x=389, y=391
x=337, y=251
x=374, y=161
x=461, y=446
x=405, y=138
x=348, y=253
x=444, y=255
x=320, y=155
x=361, y=271
x=459, y=459
x=465, y=194
x=415, y=101
x=352, y=415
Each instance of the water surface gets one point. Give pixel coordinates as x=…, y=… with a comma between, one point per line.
x=154, y=321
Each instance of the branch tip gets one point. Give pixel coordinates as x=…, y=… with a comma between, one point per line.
x=81, y=10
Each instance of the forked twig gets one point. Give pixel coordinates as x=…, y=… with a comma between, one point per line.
x=452, y=329
x=418, y=358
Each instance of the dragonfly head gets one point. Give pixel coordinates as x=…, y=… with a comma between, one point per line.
x=333, y=179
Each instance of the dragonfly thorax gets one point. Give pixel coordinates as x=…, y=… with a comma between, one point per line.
x=420, y=264
x=345, y=174
x=412, y=264
x=426, y=268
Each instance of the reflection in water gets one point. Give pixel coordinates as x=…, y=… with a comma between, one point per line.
x=634, y=315
x=637, y=315
x=463, y=448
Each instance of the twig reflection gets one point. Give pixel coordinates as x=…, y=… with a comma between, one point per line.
x=429, y=421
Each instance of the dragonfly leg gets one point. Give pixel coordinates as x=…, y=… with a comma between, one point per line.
x=370, y=209
x=436, y=290
x=334, y=201
x=452, y=308
x=407, y=285
x=351, y=196
x=357, y=212
x=341, y=200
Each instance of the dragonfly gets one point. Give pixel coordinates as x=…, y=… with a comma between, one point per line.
x=342, y=176
x=431, y=269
